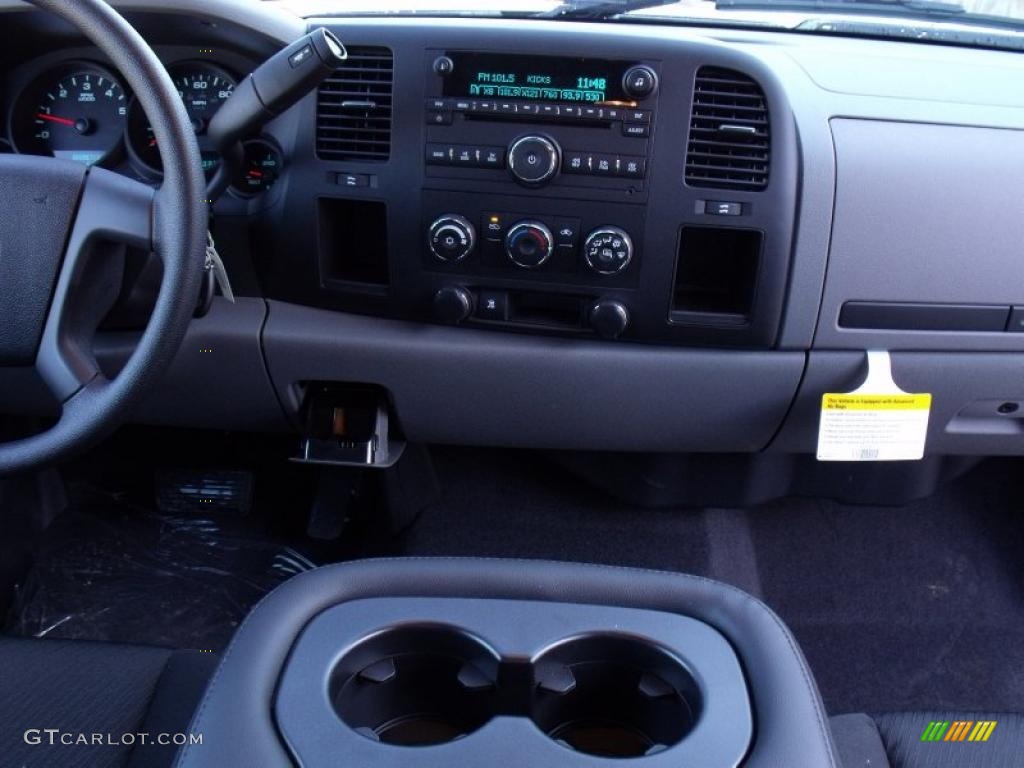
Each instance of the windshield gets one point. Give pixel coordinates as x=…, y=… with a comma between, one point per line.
x=987, y=23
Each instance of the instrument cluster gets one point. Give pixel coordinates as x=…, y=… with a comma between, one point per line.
x=81, y=111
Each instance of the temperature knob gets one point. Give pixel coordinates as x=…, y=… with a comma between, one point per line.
x=529, y=244
x=608, y=250
x=533, y=160
x=451, y=238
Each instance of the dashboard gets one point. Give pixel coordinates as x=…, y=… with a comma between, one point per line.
x=577, y=235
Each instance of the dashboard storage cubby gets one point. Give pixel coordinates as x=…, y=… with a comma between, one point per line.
x=438, y=682
x=716, y=274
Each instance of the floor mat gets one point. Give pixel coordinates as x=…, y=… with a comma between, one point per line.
x=514, y=504
x=905, y=607
x=111, y=571
x=911, y=607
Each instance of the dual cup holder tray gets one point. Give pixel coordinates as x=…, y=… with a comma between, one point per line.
x=432, y=682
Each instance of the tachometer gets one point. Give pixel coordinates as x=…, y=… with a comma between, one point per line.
x=203, y=87
x=77, y=112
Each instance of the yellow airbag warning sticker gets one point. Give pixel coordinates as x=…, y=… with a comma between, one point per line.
x=876, y=422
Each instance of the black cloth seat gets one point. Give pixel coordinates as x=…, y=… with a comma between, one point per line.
x=95, y=688
x=894, y=741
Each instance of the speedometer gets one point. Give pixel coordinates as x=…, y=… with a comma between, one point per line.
x=203, y=88
x=76, y=112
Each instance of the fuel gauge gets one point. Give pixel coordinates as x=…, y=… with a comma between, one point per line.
x=260, y=169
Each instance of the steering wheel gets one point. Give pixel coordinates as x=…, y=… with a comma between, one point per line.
x=58, y=276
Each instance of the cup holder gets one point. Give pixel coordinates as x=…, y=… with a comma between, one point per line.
x=613, y=696
x=416, y=685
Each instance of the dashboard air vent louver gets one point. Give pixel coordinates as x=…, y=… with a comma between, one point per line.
x=353, y=109
x=729, y=144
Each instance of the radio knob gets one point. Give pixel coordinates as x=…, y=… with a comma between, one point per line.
x=451, y=238
x=639, y=82
x=529, y=244
x=533, y=160
x=608, y=318
x=608, y=250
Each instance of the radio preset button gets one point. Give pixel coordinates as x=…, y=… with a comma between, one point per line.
x=438, y=154
x=603, y=165
x=632, y=167
x=593, y=164
x=574, y=162
x=492, y=157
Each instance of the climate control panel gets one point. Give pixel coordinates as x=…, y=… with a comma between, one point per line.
x=528, y=243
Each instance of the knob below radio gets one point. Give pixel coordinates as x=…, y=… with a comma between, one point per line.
x=608, y=250
x=533, y=160
x=608, y=318
x=451, y=237
x=453, y=304
x=529, y=244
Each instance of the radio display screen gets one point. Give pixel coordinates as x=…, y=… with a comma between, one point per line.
x=535, y=78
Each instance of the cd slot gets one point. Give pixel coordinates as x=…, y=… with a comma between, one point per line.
x=546, y=119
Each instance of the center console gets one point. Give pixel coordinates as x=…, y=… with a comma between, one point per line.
x=584, y=188
x=424, y=662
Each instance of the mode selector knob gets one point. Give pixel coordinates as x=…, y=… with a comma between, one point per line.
x=451, y=237
x=533, y=160
x=529, y=244
x=608, y=250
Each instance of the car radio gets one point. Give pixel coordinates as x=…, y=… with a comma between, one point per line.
x=537, y=121
x=504, y=132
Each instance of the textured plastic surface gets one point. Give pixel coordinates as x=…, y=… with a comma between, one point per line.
x=517, y=631
x=967, y=391
x=37, y=203
x=956, y=239
x=217, y=380
x=454, y=385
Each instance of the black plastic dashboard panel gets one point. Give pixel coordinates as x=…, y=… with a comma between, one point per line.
x=654, y=210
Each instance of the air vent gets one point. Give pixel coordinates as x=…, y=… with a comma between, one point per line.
x=729, y=132
x=353, y=109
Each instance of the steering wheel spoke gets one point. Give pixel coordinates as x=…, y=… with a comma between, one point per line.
x=113, y=212
x=70, y=278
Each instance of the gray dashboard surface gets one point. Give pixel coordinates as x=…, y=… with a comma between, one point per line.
x=924, y=213
x=455, y=385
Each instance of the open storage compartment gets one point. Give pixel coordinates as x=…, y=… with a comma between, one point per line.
x=716, y=274
x=439, y=682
